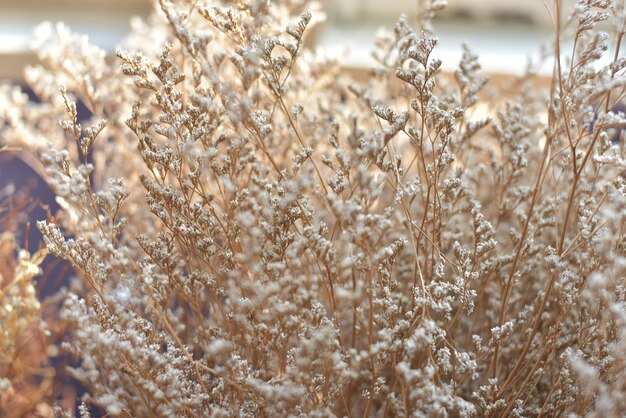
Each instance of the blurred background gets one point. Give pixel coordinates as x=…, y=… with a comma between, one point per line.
x=503, y=33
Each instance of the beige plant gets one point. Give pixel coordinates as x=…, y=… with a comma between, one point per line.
x=254, y=234
x=25, y=375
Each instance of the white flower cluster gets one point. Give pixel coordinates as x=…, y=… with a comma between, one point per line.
x=255, y=234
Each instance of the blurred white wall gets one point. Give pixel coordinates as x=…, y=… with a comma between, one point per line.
x=503, y=32
x=106, y=22
x=535, y=12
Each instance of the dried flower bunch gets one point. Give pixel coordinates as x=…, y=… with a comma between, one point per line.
x=25, y=376
x=254, y=234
